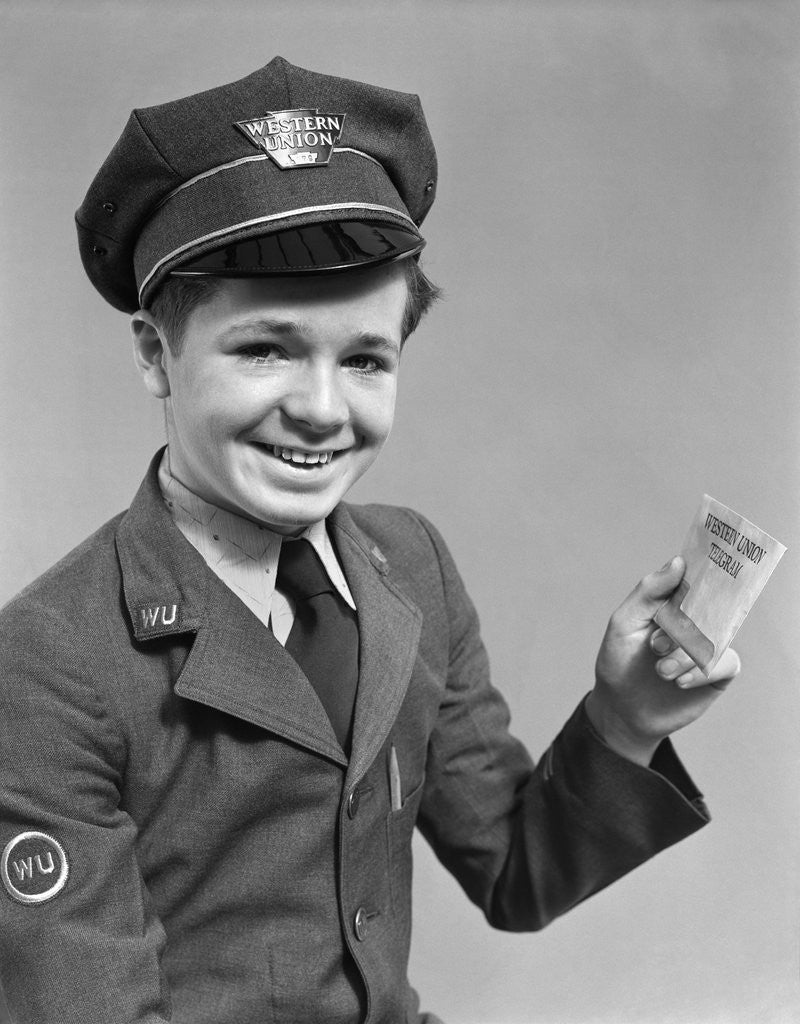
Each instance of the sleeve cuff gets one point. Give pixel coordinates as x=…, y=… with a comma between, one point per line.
x=665, y=762
x=653, y=807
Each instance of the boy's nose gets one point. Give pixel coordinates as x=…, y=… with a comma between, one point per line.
x=317, y=401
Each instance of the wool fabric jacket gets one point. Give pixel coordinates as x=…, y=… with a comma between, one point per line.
x=227, y=864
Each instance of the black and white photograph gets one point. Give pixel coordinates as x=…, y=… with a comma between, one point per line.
x=400, y=503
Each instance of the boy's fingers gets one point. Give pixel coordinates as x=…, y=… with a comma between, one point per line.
x=680, y=668
x=661, y=643
x=675, y=664
x=726, y=670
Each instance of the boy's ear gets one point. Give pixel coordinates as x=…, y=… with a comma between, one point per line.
x=149, y=351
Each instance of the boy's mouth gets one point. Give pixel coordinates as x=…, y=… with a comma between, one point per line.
x=299, y=457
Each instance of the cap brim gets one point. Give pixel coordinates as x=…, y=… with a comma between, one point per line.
x=309, y=249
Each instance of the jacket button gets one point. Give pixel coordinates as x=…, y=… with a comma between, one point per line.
x=352, y=803
x=360, y=924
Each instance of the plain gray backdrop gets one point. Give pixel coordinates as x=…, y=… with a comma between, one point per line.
x=617, y=235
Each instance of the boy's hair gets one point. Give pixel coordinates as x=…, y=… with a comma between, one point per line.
x=179, y=296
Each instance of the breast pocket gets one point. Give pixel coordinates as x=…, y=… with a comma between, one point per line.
x=399, y=831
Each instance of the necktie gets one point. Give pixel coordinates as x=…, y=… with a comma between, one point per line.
x=324, y=637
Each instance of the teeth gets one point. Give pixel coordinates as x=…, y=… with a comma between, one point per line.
x=302, y=458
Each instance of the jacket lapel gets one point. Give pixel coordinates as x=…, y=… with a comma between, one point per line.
x=389, y=629
x=236, y=665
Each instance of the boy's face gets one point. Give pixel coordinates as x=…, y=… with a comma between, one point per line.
x=283, y=393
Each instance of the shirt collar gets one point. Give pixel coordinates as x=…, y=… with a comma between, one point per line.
x=243, y=553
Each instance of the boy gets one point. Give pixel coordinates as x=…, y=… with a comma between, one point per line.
x=224, y=714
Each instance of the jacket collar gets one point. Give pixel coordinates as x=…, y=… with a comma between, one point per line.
x=235, y=664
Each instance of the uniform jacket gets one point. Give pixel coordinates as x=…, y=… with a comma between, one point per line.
x=227, y=865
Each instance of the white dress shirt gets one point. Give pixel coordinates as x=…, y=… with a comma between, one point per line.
x=243, y=553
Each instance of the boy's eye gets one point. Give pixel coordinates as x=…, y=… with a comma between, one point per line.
x=258, y=352
x=365, y=364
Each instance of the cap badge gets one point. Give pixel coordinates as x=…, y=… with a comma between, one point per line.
x=34, y=867
x=295, y=138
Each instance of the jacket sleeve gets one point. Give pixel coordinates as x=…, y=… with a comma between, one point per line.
x=79, y=940
x=527, y=842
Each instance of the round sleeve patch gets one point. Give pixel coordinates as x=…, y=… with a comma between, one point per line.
x=34, y=867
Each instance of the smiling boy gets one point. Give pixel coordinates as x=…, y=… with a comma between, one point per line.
x=224, y=714
x=284, y=395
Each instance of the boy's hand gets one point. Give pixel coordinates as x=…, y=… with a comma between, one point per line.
x=645, y=686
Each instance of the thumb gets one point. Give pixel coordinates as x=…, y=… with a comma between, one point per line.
x=655, y=588
x=667, y=578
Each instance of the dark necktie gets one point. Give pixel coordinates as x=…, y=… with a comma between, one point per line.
x=324, y=636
